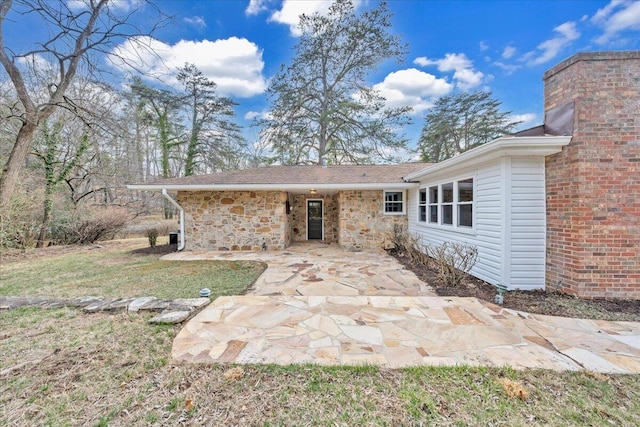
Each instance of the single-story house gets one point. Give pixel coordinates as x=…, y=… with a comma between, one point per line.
x=557, y=206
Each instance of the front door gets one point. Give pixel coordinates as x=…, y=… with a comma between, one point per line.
x=314, y=219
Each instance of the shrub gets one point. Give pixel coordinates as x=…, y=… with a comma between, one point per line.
x=453, y=261
x=20, y=220
x=152, y=235
x=87, y=226
x=409, y=245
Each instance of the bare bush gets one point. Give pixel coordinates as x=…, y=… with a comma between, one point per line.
x=88, y=226
x=20, y=221
x=453, y=261
x=142, y=227
x=152, y=235
x=409, y=245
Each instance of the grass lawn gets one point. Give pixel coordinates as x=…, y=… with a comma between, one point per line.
x=71, y=368
x=111, y=271
x=63, y=367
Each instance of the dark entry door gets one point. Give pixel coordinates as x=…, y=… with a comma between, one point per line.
x=314, y=219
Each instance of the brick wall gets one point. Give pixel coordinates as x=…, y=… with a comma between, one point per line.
x=593, y=185
x=363, y=225
x=235, y=220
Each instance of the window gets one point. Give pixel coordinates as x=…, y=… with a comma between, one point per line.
x=422, y=205
x=394, y=202
x=465, y=203
x=433, y=204
x=449, y=203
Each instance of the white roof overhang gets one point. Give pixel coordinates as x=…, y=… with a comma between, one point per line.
x=523, y=146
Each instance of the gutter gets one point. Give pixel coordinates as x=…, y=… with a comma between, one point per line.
x=174, y=203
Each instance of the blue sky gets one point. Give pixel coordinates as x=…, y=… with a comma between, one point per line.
x=502, y=46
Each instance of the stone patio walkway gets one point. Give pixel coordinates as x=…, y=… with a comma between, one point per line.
x=372, y=315
x=320, y=269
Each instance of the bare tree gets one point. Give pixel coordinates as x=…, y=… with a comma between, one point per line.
x=74, y=33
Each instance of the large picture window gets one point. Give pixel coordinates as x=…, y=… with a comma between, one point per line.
x=394, y=202
x=448, y=204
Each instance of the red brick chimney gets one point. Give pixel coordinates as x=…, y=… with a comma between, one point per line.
x=593, y=185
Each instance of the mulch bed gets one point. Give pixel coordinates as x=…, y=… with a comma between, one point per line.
x=539, y=301
x=156, y=250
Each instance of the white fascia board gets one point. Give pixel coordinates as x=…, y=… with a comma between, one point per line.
x=521, y=146
x=271, y=187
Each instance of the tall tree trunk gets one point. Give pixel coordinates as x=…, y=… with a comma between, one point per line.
x=46, y=219
x=193, y=141
x=12, y=168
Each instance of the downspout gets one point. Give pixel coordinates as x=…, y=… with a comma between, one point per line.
x=174, y=203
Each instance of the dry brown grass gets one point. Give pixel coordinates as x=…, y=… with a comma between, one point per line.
x=115, y=370
x=514, y=389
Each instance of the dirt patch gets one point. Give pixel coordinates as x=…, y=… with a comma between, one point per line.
x=539, y=301
x=156, y=250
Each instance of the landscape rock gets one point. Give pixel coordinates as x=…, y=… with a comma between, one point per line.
x=171, y=311
x=172, y=317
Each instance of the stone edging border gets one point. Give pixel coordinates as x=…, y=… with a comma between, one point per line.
x=170, y=310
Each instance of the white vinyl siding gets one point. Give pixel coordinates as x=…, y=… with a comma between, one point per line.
x=485, y=234
x=508, y=220
x=528, y=223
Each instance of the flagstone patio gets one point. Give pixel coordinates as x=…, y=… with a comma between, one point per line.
x=319, y=304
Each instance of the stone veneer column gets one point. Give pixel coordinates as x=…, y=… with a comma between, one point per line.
x=593, y=185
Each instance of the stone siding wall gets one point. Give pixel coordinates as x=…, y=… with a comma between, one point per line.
x=593, y=185
x=362, y=221
x=235, y=220
x=298, y=216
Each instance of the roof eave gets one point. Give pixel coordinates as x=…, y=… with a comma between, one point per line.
x=524, y=146
x=271, y=187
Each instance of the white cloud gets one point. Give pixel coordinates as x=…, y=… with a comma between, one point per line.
x=526, y=118
x=483, y=46
x=234, y=64
x=36, y=63
x=549, y=49
x=413, y=88
x=508, y=52
x=467, y=78
x=291, y=10
x=509, y=68
x=196, y=21
x=615, y=18
x=256, y=6
x=464, y=74
x=250, y=115
x=113, y=5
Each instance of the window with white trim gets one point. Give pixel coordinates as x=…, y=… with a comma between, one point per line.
x=449, y=204
x=433, y=204
x=465, y=203
x=446, y=207
x=393, y=202
x=422, y=205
